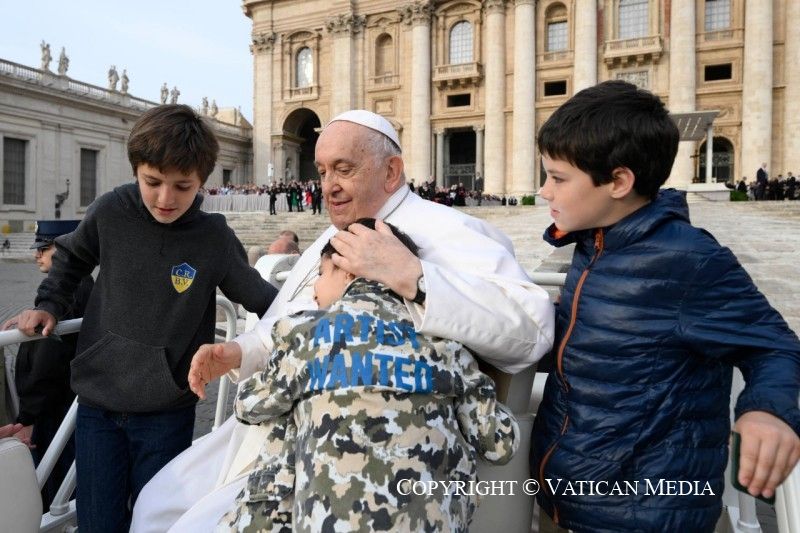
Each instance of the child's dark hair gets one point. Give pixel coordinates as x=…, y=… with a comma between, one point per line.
x=328, y=250
x=614, y=124
x=173, y=136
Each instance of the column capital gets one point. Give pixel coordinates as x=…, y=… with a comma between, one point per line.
x=419, y=12
x=494, y=6
x=478, y=128
x=524, y=3
x=439, y=131
x=262, y=42
x=345, y=24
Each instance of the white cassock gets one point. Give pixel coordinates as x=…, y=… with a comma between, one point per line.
x=476, y=293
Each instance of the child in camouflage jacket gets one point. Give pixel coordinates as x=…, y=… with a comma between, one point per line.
x=361, y=409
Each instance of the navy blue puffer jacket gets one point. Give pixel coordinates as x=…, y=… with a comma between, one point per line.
x=653, y=315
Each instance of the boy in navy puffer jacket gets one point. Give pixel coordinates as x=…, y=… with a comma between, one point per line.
x=653, y=317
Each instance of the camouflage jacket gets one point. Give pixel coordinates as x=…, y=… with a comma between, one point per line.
x=374, y=404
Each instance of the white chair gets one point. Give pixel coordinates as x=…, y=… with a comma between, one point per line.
x=21, y=502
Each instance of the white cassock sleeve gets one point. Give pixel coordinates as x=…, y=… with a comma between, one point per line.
x=476, y=292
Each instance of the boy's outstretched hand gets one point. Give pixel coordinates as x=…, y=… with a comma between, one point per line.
x=770, y=450
x=210, y=362
x=28, y=321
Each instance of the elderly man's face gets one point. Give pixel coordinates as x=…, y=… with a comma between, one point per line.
x=354, y=181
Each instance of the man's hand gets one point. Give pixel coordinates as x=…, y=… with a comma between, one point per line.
x=210, y=362
x=377, y=255
x=28, y=321
x=770, y=450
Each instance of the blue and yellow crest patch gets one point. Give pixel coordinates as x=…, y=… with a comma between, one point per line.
x=182, y=277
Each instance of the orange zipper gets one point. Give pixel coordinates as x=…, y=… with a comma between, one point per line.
x=598, y=249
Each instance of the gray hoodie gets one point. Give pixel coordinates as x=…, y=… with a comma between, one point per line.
x=153, y=303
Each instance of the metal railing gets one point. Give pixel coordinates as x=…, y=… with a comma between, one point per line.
x=62, y=511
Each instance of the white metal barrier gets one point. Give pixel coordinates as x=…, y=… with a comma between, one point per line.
x=61, y=516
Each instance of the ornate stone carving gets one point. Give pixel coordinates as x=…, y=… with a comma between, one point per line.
x=419, y=12
x=263, y=42
x=346, y=24
x=640, y=78
x=63, y=63
x=524, y=2
x=124, y=81
x=46, y=57
x=494, y=6
x=113, y=78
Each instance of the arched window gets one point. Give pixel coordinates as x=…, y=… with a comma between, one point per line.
x=384, y=55
x=718, y=14
x=461, y=43
x=633, y=18
x=557, y=34
x=304, y=64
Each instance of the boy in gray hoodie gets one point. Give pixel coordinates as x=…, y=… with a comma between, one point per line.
x=161, y=259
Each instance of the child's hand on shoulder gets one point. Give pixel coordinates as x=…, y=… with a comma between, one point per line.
x=28, y=321
x=770, y=450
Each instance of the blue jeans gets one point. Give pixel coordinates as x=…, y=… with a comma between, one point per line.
x=116, y=454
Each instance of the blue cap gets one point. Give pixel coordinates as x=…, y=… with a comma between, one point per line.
x=48, y=230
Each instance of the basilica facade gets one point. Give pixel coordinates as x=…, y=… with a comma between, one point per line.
x=467, y=83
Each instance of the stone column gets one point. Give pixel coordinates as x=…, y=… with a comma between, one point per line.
x=757, y=88
x=791, y=94
x=495, y=66
x=682, y=82
x=709, y=153
x=524, y=119
x=342, y=28
x=262, y=121
x=439, y=158
x=479, y=150
x=418, y=15
x=585, y=52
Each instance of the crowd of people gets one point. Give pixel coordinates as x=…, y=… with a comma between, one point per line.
x=302, y=195
x=361, y=376
x=299, y=195
x=766, y=188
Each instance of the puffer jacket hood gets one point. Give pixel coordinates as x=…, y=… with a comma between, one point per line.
x=632, y=432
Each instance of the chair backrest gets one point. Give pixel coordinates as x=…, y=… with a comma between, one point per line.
x=270, y=266
x=20, y=500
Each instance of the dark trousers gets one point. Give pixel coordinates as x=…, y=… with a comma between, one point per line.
x=116, y=454
x=272, y=208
